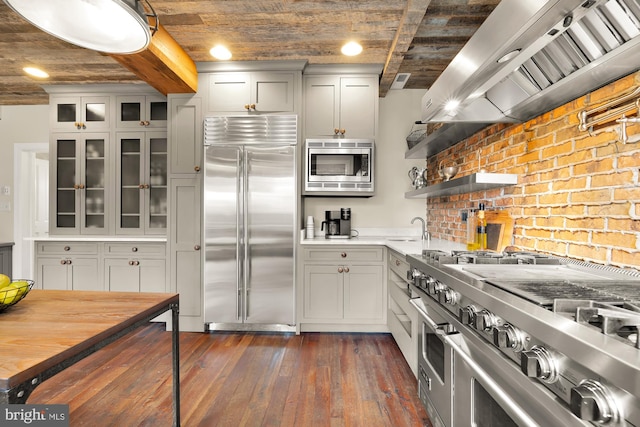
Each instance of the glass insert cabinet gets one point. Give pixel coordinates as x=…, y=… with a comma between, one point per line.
x=141, y=199
x=79, y=196
x=88, y=114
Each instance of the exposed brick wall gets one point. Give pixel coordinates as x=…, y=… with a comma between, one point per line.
x=578, y=195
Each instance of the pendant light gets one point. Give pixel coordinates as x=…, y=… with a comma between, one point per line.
x=110, y=26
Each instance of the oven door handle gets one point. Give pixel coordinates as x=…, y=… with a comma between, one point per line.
x=438, y=329
x=502, y=398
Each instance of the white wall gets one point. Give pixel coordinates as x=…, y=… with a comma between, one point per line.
x=18, y=125
x=388, y=208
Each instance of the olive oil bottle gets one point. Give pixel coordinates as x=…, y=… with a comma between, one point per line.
x=481, y=238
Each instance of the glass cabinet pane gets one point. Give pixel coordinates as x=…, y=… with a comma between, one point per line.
x=158, y=182
x=158, y=110
x=94, y=183
x=65, y=182
x=130, y=112
x=66, y=113
x=95, y=112
x=130, y=168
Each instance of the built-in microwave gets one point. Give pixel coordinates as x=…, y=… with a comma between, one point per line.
x=340, y=167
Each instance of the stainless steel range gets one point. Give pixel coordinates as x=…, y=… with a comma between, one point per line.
x=517, y=339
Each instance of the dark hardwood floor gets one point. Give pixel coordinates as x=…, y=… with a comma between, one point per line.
x=241, y=379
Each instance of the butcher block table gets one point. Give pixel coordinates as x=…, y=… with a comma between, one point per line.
x=49, y=331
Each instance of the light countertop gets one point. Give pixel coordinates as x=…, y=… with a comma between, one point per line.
x=75, y=238
x=402, y=244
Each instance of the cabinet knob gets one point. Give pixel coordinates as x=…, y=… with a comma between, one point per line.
x=340, y=269
x=247, y=106
x=136, y=262
x=141, y=186
x=63, y=261
x=336, y=131
x=130, y=262
x=343, y=131
x=76, y=186
x=144, y=123
x=68, y=262
x=346, y=269
x=343, y=254
x=67, y=248
x=81, y=186
x=80, y=125
x=196, y=168
x=252, y=107
x=397, y=263
x=196, y=247
x=134, y=249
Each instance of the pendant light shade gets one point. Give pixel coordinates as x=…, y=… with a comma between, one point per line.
x=110, y=26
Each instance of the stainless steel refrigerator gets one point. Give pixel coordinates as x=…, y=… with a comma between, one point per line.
x=250, y=202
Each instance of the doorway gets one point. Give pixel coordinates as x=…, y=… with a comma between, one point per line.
x=31, y=204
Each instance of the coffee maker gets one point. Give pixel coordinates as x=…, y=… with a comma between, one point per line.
x=337, y=223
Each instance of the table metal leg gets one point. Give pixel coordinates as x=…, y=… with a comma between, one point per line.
x=175, y=310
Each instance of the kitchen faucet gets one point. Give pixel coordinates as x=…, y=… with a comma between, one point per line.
x=425, y=234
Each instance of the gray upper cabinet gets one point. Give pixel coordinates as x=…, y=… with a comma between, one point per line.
x=251, y=92
x=341, y=106
x=78, y=193
x=80, y=113
x=185, y=134
x=141, y=184
x=141, y=112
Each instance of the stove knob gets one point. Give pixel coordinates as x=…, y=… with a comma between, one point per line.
x=591, y=401
x=448, y=296
x=507, y=336
x=484, y=321
x=433, y=286
x=539, y=363
x=467, y=315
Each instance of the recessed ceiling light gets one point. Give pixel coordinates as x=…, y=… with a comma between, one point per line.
x=220, y=52
x=36, y=72
x=351, y=49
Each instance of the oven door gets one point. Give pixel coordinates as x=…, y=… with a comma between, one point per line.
x=492, y=392
x=435, y=364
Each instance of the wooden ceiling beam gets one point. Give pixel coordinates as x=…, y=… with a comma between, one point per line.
x=409, y=24
x=164, y=65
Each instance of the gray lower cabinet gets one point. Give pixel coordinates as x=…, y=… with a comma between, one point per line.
x=101, y=266
x=402, y=317
x=135, y=267
x=343, y=289
x=6, y=259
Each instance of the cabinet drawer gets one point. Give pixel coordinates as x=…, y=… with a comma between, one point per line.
x=65, y=248
x=134, y=248
x=398, y=264
x=344, y=254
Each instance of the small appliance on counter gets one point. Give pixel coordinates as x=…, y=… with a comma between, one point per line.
x=337, y=223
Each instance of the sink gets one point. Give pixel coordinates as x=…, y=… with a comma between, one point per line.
x=403, y=239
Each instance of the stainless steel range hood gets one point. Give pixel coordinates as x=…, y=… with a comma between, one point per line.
x=557, y=50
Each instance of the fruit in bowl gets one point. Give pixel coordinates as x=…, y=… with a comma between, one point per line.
x=12, y=291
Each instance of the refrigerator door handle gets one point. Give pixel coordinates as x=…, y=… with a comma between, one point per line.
x=246, y=279
x=239, y=235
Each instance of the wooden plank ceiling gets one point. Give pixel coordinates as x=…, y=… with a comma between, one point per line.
x=407, y=36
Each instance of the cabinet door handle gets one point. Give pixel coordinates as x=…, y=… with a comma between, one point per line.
x=343, y=254
x=67, y=248
x=346, y=269
x=340, y=269
x=196, y=247
x=196, y=168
